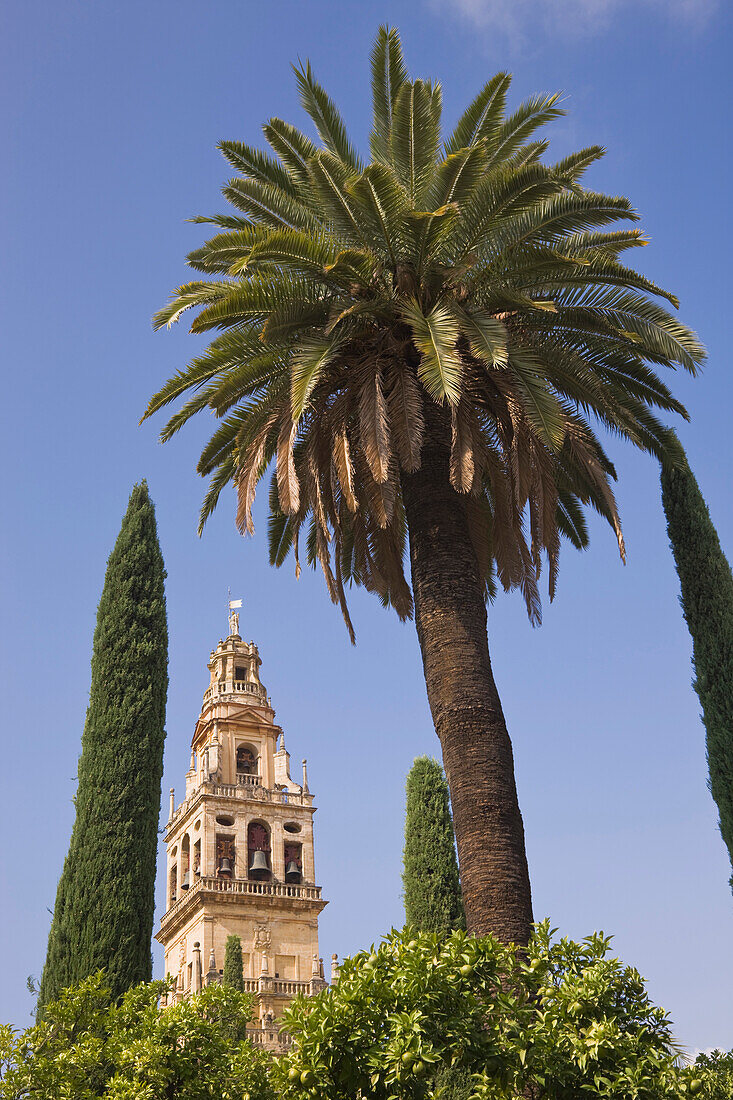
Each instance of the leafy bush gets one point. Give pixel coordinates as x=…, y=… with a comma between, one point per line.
x=715, y=1071
x=88, y=1047
x=558, y=1019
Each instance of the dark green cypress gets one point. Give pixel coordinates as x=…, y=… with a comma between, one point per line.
x=432, y=894
x=103, y=917
x=233, y=964
x=706, y=587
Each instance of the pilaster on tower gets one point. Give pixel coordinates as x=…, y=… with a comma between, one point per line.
x=240, y=852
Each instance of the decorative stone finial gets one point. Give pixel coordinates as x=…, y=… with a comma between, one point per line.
x=172, y=803
x=335, y=969
x=212, y=974
x=305, y=777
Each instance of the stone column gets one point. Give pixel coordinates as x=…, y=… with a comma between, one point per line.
x=309, y=871
x=196, y=981
x=278, y=852
x=240, y=842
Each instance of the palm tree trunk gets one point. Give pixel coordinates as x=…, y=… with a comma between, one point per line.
x=450, y=615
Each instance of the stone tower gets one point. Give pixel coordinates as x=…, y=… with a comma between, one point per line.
x=240, y=849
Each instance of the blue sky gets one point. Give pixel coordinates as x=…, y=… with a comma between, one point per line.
x=111, y=114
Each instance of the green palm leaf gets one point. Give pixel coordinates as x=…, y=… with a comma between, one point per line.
x=388, y=76
x=259, y=166
x=436, y=336
x=415, y=137
x=328, y=121
x=293, y=148
x=306, y=366
x=483, y=117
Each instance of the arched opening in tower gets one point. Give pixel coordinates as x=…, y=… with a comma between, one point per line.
x=258, y=852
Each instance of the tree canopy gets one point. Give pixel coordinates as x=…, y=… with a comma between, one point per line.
x=459, y=269
x=103, y=916
x=706, y=584
x=432, y=890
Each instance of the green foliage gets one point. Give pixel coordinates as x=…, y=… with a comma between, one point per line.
x=715, y=1073
x=706, y=585
x=103, y=917
x=89, y=1045
x=558, y=1020
x=233, y=964
x=462, y=272
x=430, y=874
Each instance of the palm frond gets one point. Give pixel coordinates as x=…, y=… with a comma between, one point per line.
x=222, y=477
x=534, y=112
x=415, y=138
x=571, y=168
x=225, y=249
x=382, y=205
x=330, y=177
x=483, y=117
x=541, y=406
x=269, y=205
x=388, y=76
x=252, y=162
x=302, y=253
x=280, y=528
x=307, y=363
x=326, y=117
x=293, y=148
x=404, y=402
x=187, y=297
x=436, y=336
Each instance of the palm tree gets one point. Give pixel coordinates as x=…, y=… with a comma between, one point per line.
x=417, y=346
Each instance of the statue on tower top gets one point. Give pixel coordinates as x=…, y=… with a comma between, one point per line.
x=234, y=617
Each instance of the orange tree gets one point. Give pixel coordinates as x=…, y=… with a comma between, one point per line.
x=421, y=346
x=557, y=1020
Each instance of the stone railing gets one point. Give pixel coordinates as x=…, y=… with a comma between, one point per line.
x=244, y=779
x=256, y=791
x=270, y=1038
x=244, y=790
x=266, y=889
x=235, y=687
x=244, y=886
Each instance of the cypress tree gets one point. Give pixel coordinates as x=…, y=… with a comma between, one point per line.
x=432, y=891
x=233, y=964
x=103, y=917
x=706, y=587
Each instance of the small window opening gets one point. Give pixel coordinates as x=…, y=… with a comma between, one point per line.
x=246, y=761
x=225, y=856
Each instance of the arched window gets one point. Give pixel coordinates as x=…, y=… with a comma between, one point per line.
x=173, y=884
x=293, y=863
x=246, y=760
x=258, y=852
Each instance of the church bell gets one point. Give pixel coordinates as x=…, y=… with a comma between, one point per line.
x=186, y=881
x=292, y=872
x=226, y=866
x=259, y=864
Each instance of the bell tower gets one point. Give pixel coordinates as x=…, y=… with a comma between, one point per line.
x=240, y=856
